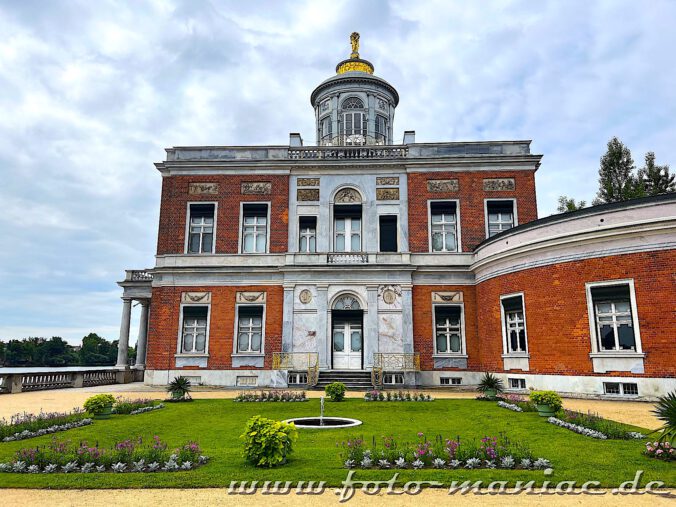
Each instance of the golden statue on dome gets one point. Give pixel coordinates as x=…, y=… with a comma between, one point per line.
x=354, y=41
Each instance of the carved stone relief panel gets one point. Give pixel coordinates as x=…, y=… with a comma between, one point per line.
x=347, y=195
x=307, y=194
x=203, y=188
x=442, y=185
x=308, y=182
x=447, y=297
x=499, y=184
x=251, y=297
x=387, y=194
x=387, y=180
x=256, y=187
x=196, y=297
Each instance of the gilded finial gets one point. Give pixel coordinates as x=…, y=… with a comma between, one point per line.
x=354, y=41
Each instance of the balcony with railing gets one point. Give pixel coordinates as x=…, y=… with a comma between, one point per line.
x=343, y=151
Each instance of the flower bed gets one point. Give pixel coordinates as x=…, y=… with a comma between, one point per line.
x=491, y=452
x=660, y=450
x=593, y=425
x=22, y=426
x=264, y=396
x=128, y=406
x=510, y=406
x=376, y=395
x=125, y=456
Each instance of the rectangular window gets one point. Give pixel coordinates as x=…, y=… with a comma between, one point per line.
x=347, y=228
x=248, y=381
x=201, y=228
x=450, y=381
x=381, y=129
x=250, y=329
x=194, y=332
x=448, y=329
x=517, y=383
x=620, y=388
x=630, y=389
x=614, y=323
x=444, y=226
x=307, y=242
x=296, y=378
x=327, y=127
x=393, y=378
x=388, y=233
x=254, y=228
x=500, y=216
x=514, y=324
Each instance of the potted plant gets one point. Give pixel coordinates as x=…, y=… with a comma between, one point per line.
x=490, y=385
x=179, y=388
x=100, y=406
x=547, y=403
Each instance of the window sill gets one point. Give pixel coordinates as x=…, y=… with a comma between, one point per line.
x=516, y=355
x=445, y=252
x=248, y=354
x=615, y=353
x=457, y=355
x=191, y=355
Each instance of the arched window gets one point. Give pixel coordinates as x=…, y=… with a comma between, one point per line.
x=353, y=121
x=346, y=302
x=326, y=128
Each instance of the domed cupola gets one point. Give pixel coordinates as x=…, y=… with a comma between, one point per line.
x=354, y=107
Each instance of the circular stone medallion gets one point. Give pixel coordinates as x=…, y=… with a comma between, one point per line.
x=389, y=296
x=305, y=296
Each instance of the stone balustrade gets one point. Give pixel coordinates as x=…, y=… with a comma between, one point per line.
x=347, y=258
x=39, y=381
x=347, y=152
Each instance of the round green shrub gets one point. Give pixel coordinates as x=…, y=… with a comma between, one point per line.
x=98, y=403
x=335, y=391
x=268, y=442
x=550, y=398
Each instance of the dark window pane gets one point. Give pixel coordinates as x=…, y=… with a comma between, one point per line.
x=513, y=340
x=513, y=304
x=626, y=337
x=522, y=340
x=388, y=233
x=206, y=239
x=441, y=343
x=194, y=245
x=607, y=338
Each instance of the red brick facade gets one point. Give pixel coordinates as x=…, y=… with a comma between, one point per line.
x=165, y=316
x=175, y=198
x=557, y=319
x=471, y=196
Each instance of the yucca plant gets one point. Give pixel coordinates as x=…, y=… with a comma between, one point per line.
x=490, y=385
x=179, y=388
x=665, y=410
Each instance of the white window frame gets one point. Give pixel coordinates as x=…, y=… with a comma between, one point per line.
x=179, y=344
x=503, y=321
x=241, y=228
x=458, y=228
x=620, y=384
x=348, y=240
x=500, y=199
x=307, y=236
x=592, y=319
x=322, y=134
x=463, y=344
x=235, y=341
x=187, y=228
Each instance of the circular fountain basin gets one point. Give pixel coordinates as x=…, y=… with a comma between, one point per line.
x=325, y=423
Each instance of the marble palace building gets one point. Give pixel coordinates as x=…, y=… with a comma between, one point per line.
x=412, y=264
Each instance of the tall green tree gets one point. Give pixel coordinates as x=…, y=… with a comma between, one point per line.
x=617, y=181
x=656, y=178
x=567, y=204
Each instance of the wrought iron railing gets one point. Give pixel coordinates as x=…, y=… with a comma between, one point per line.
x=298, y=361
x=393, y=362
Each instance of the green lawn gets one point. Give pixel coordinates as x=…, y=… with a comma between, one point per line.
x=217, y=424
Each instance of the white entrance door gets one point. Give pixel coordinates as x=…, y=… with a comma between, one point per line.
x=347, y=345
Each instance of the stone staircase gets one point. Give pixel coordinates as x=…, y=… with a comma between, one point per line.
x=353, y=379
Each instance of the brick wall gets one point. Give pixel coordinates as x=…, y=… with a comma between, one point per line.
x=173, y=210
x=471, y=196
x=423, y=332
x=556, y=312
x=164, y=321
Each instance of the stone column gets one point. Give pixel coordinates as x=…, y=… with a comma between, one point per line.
x=123, y=343
x=323, y=333
x=371, y=326
x=142, y=341
x=407, y=317
x=287, y=325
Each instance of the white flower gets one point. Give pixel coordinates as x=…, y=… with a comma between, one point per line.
x=438, y=463
x=153, y=467
x=33, y=469
x=577, y=428
x=489, y=463
x=383, y=463
x=170, y=465
x=118, y=467
x=69, y=467
x=101, y=468
x=454, y=463
x=5, y=467
x=541, y=463
x=19, y=466
x=202, y=459
x=138, y=466
x=366, y=462
x=473, y=463
x=400, y=462
x=187, y=465
x=509, y=406
x=51, y=468
x=417, y=464
x=635, y=434
x=507, y=462
x=526, y=463
x=87, y=467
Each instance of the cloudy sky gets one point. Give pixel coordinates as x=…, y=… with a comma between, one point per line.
x=92, y=92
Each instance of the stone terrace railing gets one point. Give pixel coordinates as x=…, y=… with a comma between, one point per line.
x=347, y=258
x=347, y=152
x=140, y=275
x=38, y=381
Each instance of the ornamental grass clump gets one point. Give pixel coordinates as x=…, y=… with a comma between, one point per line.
x=268, y=443
x=440, y=453
x=130, y=455
x=25, y=425
x=179, y=389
